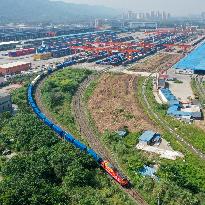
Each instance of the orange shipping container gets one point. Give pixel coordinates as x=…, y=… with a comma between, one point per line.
x=13, y=68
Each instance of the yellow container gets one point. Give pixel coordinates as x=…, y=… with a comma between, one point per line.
x=42, y=56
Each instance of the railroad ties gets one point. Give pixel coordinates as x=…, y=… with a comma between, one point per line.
x=86, y=130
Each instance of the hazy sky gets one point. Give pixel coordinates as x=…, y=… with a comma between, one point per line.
x=176, y=7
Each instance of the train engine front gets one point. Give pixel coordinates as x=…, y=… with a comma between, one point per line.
x=112, y=171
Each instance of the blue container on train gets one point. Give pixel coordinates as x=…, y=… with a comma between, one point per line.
x=95, y=156
x=69, y=138
x=41, y=116
x=33, y=105
x=36, y=110
x=30, y=96
x=79, y=145
x=30, y=89
x=30, y=99
x=66, y=63
x=48, y=122
x=59, y=66
x=50, y=70
x=58, y=130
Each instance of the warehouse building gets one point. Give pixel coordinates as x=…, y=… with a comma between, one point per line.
x=186, y=112
x=161, y=80
x=193, y=63
x=5, y=102
x=13, y=68
x=167, y=97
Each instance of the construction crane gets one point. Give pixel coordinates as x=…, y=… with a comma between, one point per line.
x=108, y=49
x=182, y=46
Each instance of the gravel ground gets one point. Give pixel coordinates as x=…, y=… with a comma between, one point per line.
x=181, y=90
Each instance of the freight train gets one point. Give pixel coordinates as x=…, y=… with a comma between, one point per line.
x=104, y=164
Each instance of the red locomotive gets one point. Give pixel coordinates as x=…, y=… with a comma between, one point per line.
x=112, y=171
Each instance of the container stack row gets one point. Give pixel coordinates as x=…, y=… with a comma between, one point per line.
x=21, y=52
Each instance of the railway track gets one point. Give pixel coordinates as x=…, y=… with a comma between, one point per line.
x=166, y=125
x=85, y=129
x=82, y=120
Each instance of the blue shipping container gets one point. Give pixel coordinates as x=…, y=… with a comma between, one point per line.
x=79, y=145
x=95, y=156
x=69, y=138
x=58, y=130
x=48, y=122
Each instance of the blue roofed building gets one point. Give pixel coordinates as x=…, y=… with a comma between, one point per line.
x=176, y=109
x=167, y=96
x=193, y=62
x=149, y=137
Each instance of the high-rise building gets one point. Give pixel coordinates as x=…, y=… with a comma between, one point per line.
x=96, y=23
x=152, y=14
x=130, y=15
x=203, y=15
x=148, y=16
x=164, y=16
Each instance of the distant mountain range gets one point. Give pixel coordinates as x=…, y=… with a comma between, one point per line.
x=54, y=11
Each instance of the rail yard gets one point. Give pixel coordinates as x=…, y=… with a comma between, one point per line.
x=140, y=87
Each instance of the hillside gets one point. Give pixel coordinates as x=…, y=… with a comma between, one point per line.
x=45, y=10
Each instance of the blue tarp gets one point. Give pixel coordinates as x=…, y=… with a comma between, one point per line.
x=121, y=133
x=194, y=61
x=147, y=171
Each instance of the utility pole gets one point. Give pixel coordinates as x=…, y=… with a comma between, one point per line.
x=158, y=200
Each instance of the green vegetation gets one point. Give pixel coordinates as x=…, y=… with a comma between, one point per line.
x=57, y=94
x=90, y=89
x=180, y=181
x=18, y=79
x=43, y=169
x=197, y=93
x=188, y=174
x=177, y=179
x=191, y=133
x=178, y=81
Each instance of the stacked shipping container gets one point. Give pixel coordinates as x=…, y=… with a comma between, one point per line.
x=22, y=52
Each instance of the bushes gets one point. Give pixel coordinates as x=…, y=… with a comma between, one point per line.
x=57, y=93
x=46, y=170
x=179, y=182
x=185, y=175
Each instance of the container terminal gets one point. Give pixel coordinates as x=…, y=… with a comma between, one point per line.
x=101, y=47
x=171, y=55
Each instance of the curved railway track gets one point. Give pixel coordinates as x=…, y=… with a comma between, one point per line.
x=81, y=118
